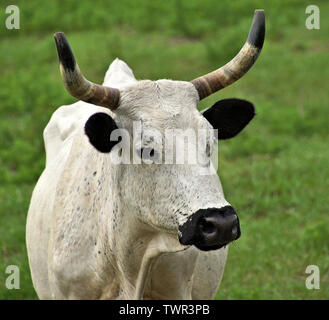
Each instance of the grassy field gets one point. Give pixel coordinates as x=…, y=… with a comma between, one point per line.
x=276, y=173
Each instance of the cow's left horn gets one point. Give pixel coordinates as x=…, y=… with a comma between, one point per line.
x=239, y=65
x=76, y=84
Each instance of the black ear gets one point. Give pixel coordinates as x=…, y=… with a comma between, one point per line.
x=98, y=128
x=229, y=116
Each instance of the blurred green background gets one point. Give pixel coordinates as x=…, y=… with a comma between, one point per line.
x=275, y=173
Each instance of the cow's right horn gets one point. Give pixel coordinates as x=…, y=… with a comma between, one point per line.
x=239, y=65
x=76, y=84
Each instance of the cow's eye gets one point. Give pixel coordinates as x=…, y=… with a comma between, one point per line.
x=146, y=153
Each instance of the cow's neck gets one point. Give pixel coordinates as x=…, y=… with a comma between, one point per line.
x=136, y=251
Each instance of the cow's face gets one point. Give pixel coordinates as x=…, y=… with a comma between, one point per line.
x=167, y=179
x=179, y=199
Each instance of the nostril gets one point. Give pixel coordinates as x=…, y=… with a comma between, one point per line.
x=207, y=227
x=235, y=232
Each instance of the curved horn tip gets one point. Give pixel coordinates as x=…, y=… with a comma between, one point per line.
x=257, y=31
x=65, y=54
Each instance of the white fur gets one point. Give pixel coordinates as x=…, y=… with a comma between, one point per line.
x=101, y=231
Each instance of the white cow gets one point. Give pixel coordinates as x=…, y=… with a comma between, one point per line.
x=101, y=230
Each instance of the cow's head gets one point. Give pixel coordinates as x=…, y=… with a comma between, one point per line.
x=177, y=198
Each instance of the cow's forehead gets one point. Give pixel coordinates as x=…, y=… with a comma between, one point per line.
x=160, y=94
x=159, y=101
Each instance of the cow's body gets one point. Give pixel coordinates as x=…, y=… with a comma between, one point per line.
x=84, y=243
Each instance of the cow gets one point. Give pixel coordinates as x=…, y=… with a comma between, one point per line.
x=97, y=229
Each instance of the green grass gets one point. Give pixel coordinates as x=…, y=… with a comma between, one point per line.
x=275, y=173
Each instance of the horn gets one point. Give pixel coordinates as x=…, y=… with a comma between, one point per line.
x=76, y=84
x=239, y=65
